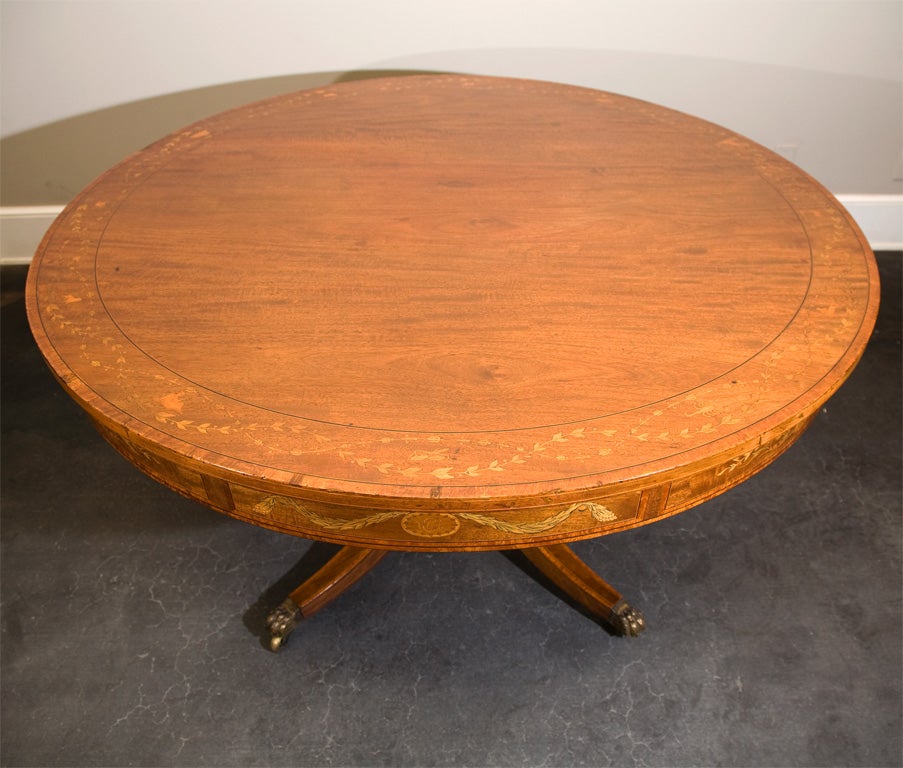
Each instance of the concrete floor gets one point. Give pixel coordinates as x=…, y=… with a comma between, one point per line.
x=132, y=618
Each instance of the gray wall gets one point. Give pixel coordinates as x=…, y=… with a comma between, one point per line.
x=86, y=82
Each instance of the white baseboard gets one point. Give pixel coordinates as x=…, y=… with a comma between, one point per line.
x=880, y=217
x=22, y=227
x=21, y=230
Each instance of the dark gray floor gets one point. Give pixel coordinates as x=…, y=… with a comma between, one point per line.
x=131, y=618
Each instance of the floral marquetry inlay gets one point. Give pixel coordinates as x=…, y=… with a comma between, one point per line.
x=431, y=525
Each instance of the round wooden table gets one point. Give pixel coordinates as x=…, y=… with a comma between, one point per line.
x=452, y=313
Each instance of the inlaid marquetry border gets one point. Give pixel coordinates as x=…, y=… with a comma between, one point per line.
x=427, y=524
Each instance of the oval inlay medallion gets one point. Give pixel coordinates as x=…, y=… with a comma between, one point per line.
x=430, y=525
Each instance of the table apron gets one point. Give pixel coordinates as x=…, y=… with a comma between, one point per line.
x=451, y=524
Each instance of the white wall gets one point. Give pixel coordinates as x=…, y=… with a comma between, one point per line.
x=820, y=81
x=63, y=57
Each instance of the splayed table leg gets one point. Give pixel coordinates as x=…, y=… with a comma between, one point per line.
x=568, y=572
x=343, y=570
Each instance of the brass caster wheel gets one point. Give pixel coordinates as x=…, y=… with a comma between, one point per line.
x=281, y=622
x=626, y=620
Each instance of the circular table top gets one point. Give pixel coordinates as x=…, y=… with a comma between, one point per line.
x=456, y=288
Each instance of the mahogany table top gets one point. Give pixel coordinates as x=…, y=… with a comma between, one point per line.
x=452, y=312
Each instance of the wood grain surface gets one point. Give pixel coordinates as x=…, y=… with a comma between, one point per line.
x=445, y=312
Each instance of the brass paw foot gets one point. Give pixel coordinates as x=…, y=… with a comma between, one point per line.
x=626, y=620
x=280, y=623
